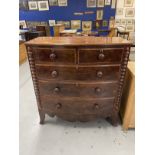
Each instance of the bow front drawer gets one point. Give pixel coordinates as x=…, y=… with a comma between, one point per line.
x=100, y=56
x=58, y=89
x=55, y=55
x=78, y=106
x=102, y=73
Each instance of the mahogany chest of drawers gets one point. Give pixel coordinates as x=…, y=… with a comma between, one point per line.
x=78, y=78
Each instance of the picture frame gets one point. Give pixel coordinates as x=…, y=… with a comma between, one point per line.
x=130, y=28
x=43, y=5
x=33, y=5
x=99, y=14
x=23, y=5
x=76, y=24
x=129, y=21
x=130, y=12
x=117, y=22
x=119, y=11
x=107, y=2
x=100, y=3
x=62, y=2
x=98, y=24
x=104, y=23
x=113, y=4
x=43, y=23
x=67, y=24
x=53, y=2
x=86, y=25
x=51, y=22
x=123, y=21
x=23, y=24
x=91, y=3
x=59, y=22
x=128, y=3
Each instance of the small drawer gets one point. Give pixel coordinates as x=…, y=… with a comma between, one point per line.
x=100, y=56
x=78, y=106
x=76, y=90
x=55, y=55
x=105, y=73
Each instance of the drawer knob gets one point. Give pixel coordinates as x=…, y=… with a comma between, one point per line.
x=98, y=90
x=58, y=105
x=99, y=74
x=56, y=89
x=101, y=56
x=52, y=56
x=54, y=74
x=96, y=106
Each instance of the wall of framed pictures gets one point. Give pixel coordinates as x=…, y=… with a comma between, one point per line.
x=125, y=16
x=83, y=10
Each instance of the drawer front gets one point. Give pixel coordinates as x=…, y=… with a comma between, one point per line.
x=55, y=55
x=104, y=73
x=101, y=56
x=76, y=106
x=78, y=90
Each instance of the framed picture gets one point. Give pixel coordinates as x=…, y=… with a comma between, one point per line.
x=107, y=2
x=23, y=5
x=86, y=25
x=128, y=3
x=130, y=28
x=44, y=23
x=119, y=11
x=53, y=2
x=51, y=22
x=98, y=24
x=123, y=21
x=23, y=24
x=43, y=5
x=33, y=5
x=117, y=22
x=130, y=12
x=91, y=3
x=99, y=14
x=104, y=23
x=113, y=4
x=67, y=24
x=62, y=2
x=75, y=24
x=129, y=21
x=100, y=3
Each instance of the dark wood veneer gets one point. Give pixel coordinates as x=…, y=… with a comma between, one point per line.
x=78, y=78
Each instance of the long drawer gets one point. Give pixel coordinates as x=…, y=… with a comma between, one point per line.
x=77, y=106
x=101, y=73
x=58, y=89
x=100, y=56
x=55, y=55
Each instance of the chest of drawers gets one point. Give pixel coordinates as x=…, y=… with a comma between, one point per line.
x=78, y=78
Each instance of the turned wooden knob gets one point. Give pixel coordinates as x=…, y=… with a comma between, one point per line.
x=56, y=89
x=96, y=106
x=54, y=74
x=99, y=74
x=101, y=56
x=58, y=105
x=52, y=56
x=98, y=90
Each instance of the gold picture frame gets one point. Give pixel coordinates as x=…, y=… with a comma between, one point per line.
x=99, y=14
x=130, y=28
x=86, y=25
x=91, y=3
x=119, y=11
x=43, y=5
x=100, y=3
x=76, y=24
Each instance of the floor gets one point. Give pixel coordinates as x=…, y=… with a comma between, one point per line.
x=58, y=137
